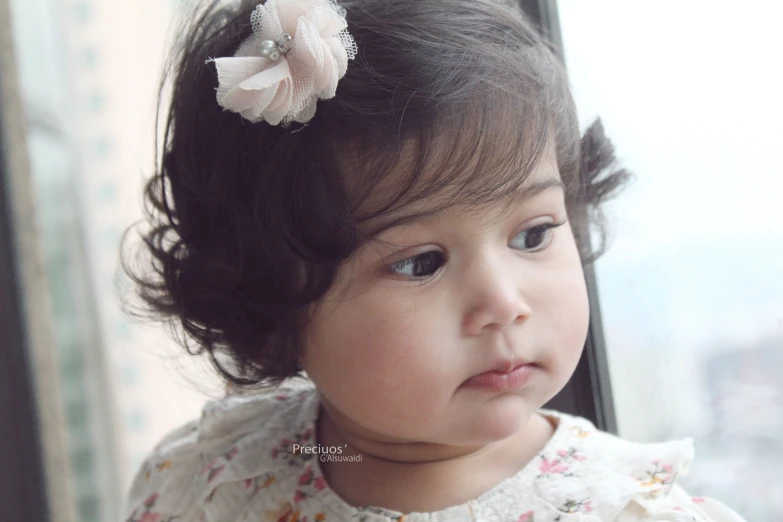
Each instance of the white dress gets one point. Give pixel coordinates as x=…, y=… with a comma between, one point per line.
x=235, y=464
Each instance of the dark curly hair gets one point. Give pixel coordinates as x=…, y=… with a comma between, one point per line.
x=249, y=222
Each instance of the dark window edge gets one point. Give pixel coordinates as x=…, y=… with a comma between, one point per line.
x=32, y=447
x=589, y=392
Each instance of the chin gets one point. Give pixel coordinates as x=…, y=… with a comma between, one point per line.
x=502, y=418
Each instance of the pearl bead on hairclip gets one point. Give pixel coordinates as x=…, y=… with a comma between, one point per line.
x=274, y=49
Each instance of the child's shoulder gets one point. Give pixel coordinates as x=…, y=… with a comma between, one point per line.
x=618, y=475
x=256, y=413
x=650, y=463
x=236, y=437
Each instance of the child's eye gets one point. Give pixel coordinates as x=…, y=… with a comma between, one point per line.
x=535, y=238
x=420, y=266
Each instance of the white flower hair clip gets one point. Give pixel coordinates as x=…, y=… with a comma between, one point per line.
x=298, y=52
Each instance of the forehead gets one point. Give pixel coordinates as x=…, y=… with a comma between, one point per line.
x=473, y=158
x=521, y=188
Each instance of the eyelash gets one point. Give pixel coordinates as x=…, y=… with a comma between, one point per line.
x=545, y=228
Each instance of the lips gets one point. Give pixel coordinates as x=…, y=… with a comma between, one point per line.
x=508, y=365
x=498, y=382
x=505, y=374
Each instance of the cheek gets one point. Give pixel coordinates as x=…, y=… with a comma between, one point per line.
x=576, y=317
x=569, y=313
x=375, y=361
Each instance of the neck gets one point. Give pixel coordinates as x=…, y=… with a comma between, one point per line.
x=388, y=451
x=418, y=476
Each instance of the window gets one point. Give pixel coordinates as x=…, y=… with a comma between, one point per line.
x=691, y=289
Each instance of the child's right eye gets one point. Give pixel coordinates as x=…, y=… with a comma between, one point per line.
x=420, y=266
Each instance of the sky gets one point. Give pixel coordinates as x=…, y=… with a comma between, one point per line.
x=689, y=94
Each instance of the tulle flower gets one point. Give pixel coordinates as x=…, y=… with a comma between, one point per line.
x=297, y=54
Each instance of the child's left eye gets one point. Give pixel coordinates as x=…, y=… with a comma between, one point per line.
x=539, y=236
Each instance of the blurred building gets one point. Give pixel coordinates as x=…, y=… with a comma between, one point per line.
x=746, y=394
x=743, y=450
x=89, y=71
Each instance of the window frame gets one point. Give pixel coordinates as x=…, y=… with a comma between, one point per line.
x=21, y=486
x=36, y=481
x=589, y=392
x=22, y=491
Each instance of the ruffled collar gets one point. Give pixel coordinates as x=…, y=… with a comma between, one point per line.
x=582, y=474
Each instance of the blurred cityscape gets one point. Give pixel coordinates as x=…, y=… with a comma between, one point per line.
x=89, y=71
x=695, y=335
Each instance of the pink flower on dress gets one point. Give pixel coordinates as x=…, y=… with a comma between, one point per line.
x=306, y=477
x=662, y=475
x=571, y=454
x=151, y=500
x=150, y=517
x=552, y=466
x=526, y=517
x=320, y=483
x=697, y=500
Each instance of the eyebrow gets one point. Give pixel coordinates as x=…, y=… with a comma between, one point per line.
x=523, y=194
x=530, y=191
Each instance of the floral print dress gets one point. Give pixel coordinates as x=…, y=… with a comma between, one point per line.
x=235, y=464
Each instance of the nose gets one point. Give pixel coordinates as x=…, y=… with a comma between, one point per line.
x=494, y=290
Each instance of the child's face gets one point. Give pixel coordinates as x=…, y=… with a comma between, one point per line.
x=391, y=348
